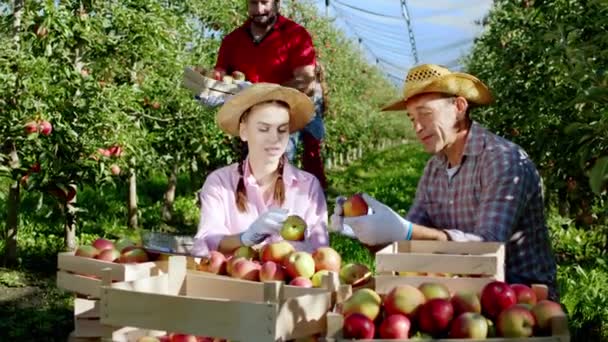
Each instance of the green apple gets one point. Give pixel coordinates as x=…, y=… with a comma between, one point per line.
x=293, y=228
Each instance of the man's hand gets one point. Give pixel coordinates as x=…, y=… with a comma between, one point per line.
x=383, y=226
x=303, y=79
x=264, y=226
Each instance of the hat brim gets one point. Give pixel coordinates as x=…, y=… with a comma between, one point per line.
x=458, y=84
x=301, y=107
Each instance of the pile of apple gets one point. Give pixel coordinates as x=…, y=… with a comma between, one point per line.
x=279, y=261
x=430, y=310
x=176, y=337
x=124, y=251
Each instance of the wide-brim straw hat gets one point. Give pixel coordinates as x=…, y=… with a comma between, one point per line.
x=431, y=78
x=301, y=107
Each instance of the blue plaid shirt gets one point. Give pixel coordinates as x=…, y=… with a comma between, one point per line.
x=495, y=195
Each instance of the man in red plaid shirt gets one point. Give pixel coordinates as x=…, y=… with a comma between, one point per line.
x=476, y=187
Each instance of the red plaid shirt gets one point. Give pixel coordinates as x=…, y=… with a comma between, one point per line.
x=495, y=195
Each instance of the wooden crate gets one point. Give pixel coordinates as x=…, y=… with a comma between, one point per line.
x=83, y=275
x=205, y=305
x=475, y=263
x=200, y=85
x=559, y=333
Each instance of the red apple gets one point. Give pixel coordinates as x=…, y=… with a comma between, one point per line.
x=31, y=127
x=271, y=271
x=300, y=264
x=364, y=301
x=301, y=282
x=326, y=258
x=469, y=325
x=435, y=316
x=404, y=299
x=515, y=321
x=183, y=338
x=86, y=251
x=246, y=270
x=355, y=274
x=276, y=251
x=358, y=326
x=230, y=263
x=110, y=255
x=115, y=150
x=46, y=128
x=395, y=326
x=115, y=169
x=214, y=263
x=102, y=244
x=465, y=302
x=434, y=290
x=354, y=206
x=104, y=152
x=293, y=228
x=541, y=291
x=543, y=312
x=136, y=255
x=524, y=294
x=495, y=297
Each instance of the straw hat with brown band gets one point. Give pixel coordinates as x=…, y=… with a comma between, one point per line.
x=301, y=107
x=431, y=78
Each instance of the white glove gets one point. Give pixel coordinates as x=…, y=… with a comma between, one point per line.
x=382, y=226
x=264, y=226
x=211, y=100
x=336, y=221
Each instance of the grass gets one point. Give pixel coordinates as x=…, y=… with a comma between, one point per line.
x=33, y=309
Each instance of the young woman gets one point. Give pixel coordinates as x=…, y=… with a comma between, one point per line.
x=246, y=203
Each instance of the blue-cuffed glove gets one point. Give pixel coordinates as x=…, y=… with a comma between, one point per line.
x=211, y=100
x=264, y=226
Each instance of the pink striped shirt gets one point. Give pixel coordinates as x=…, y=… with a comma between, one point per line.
x=220, y=217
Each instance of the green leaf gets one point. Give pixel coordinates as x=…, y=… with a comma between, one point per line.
x=598, y=177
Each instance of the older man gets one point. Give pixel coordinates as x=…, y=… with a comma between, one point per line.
x=476, y=187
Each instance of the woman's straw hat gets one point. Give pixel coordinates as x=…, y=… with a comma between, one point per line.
x=301, y=107
x=431, y=78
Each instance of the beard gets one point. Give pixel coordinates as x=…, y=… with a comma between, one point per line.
x=263, y=21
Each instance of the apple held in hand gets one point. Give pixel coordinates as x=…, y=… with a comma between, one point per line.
x=293, y=228
x=354, y=206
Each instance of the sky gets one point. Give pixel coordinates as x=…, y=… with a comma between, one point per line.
x=443, y=30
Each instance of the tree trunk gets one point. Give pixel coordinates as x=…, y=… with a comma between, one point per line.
x=132, y=199
x=70, y=219
x=12, y=225
x=169, y=196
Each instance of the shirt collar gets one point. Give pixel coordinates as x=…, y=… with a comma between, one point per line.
x=278, y=24
x=289, y=175
x=476, y=141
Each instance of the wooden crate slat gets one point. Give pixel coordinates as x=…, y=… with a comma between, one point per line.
x=156, y=284
x=86, y=308
x=67, y=261
x=303, y=316
x=202, y=284
x=384, y=283
x=423, y=262
x=241, y=321
x=450, y=247
x=78, y=284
